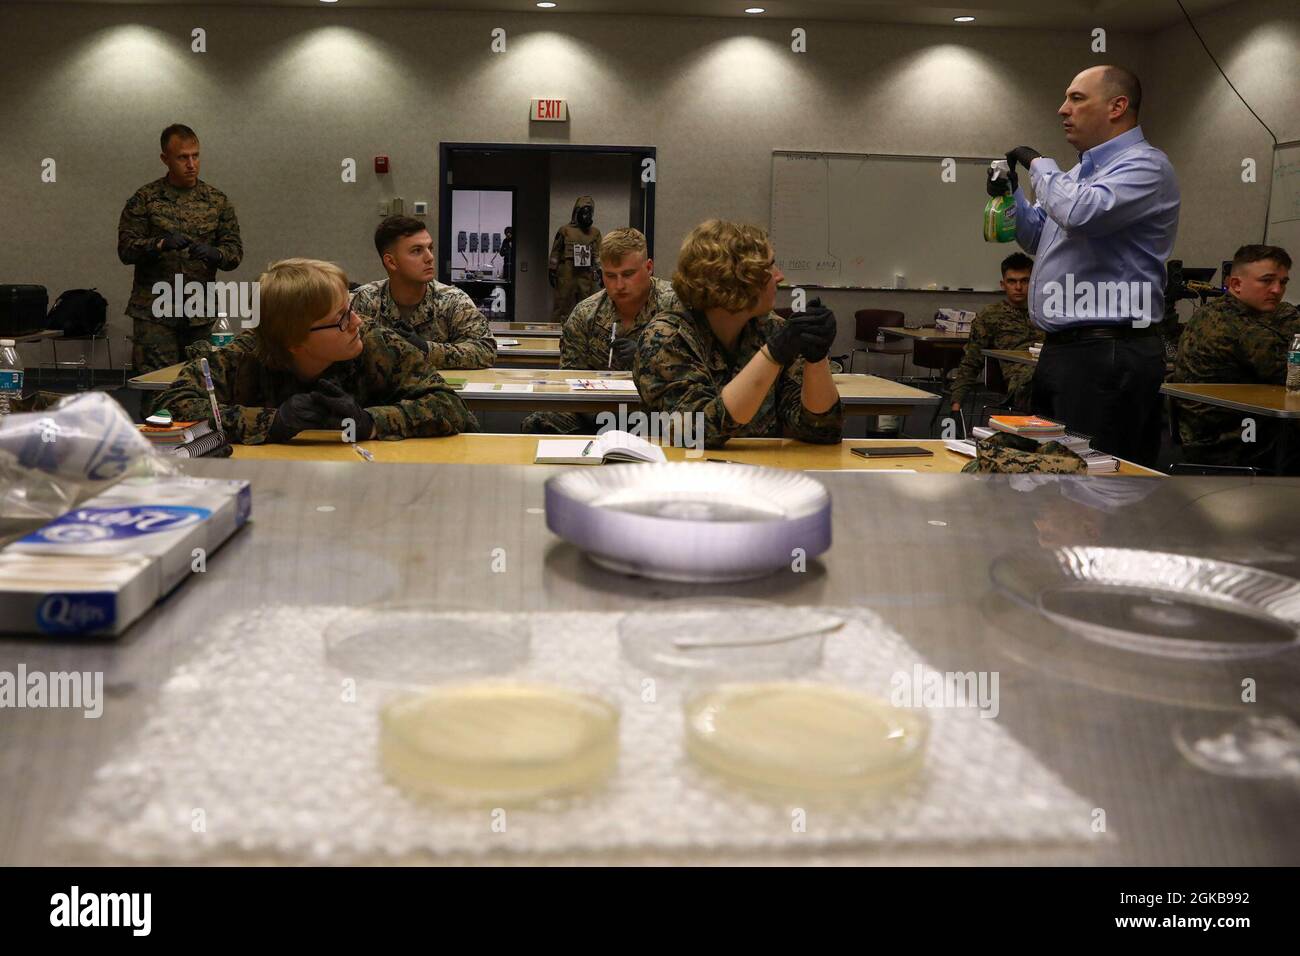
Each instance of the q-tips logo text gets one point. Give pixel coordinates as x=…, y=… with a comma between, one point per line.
x=87, y=525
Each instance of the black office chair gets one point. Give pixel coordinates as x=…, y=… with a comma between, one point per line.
x=867, y=326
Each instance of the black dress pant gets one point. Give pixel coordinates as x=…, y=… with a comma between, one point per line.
x=1108, y=388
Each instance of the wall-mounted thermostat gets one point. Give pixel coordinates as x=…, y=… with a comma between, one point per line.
x=421, y=207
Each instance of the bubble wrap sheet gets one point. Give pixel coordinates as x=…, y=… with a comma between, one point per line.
x=254, y=733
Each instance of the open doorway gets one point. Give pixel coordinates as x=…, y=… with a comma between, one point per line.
x=543, y=183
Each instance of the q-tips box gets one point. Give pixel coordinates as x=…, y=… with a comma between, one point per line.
x=101, y=566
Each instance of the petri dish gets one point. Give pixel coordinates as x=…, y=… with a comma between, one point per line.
x=790, y=736
x=725, y=638
x=416, y=643
x=498, y=741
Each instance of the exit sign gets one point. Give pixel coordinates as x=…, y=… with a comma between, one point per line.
x=550, y=111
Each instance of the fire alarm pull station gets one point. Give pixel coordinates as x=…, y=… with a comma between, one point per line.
x=381, y=164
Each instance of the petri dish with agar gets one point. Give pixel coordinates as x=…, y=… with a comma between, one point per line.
x=725, y=638
x=418, y=643
x=803, y=737
x=499, y=741
x=1259, y=746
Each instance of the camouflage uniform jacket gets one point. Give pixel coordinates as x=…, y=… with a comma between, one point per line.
x=585, y=341
x=203, y=213
x=998, y=326
x=390, y=379
x=447, y=318
x=1228, y=341
x=681, y=367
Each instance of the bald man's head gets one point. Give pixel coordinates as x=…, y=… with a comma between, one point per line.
x=1101, y=103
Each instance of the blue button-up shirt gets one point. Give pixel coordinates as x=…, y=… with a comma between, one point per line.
x=1102, y=234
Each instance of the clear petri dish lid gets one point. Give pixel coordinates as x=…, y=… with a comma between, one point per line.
x=1157, y=603
x=725, y=638
x=1265, y=746
x=799, y=737
x=415, y=643
x=498, y=741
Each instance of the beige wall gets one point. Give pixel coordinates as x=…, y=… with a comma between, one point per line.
x=284, y=94
x=1207, y=132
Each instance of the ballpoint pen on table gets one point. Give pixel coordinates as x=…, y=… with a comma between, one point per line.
x=212, y=398
x=613, y=331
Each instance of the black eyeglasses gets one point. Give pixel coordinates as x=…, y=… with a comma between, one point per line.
x=341, y=324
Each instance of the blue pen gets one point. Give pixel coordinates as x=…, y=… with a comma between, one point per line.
x=212, y=397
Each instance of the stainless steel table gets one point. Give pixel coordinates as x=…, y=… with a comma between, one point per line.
x=915, y=548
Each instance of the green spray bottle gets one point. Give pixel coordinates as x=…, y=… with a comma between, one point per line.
x=1000, y=210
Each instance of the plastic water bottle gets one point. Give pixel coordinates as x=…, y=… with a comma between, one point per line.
x=1293, y=366
x=11, y=376
x=222, y=334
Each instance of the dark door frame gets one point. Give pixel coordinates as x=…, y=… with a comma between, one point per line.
x=445, y=185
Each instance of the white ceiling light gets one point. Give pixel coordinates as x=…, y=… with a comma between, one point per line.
x=963, y=19
x=545, y=4
x=755, y=10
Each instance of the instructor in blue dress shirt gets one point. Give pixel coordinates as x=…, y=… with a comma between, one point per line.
x=1101, y=234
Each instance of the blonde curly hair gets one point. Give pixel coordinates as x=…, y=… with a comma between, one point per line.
x=723, y=265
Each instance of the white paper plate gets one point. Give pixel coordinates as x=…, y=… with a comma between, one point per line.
x=690, y=521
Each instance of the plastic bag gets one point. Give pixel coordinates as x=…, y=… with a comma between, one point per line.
x=51, y=460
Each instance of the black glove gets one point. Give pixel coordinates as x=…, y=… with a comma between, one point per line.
x=297, y=414
x=817, y=331
x=999, y=187
x=419, y=341
x=624, y=351
x=552, y=277
x=209, y=254
x=174, y=240
x=1024, y=155
x=786, y=342
x=338, y=406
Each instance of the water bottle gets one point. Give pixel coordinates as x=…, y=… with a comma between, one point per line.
x=1293, y=366
x=11, y=376
x=222, y=334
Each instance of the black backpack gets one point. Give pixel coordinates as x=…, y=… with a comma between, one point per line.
x=79, y=313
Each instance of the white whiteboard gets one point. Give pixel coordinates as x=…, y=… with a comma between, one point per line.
x=856, y=220
x=1284, y=207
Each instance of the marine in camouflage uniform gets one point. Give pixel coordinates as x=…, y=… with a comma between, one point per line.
x=204, y=215
x=446, y=318
x=682, y=367
x=1228, y=341
x=575, y=259
x=585, y=344
x=998, y=326
x=390, y=379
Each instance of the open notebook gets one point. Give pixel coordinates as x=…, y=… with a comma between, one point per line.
x=611, y=446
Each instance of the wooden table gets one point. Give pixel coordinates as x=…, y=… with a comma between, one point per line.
x=1269, y=401
x=1015, y=356
x=495, y=449
x=540, y=330
x=861, y=394
x=927, y=334
x=529, y=353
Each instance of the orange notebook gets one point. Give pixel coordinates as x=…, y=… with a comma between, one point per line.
x=1026, y=425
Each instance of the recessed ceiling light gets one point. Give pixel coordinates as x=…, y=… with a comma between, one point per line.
x=329, y=1
x=755, y=10
x=963, y=19
x=546, y=4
